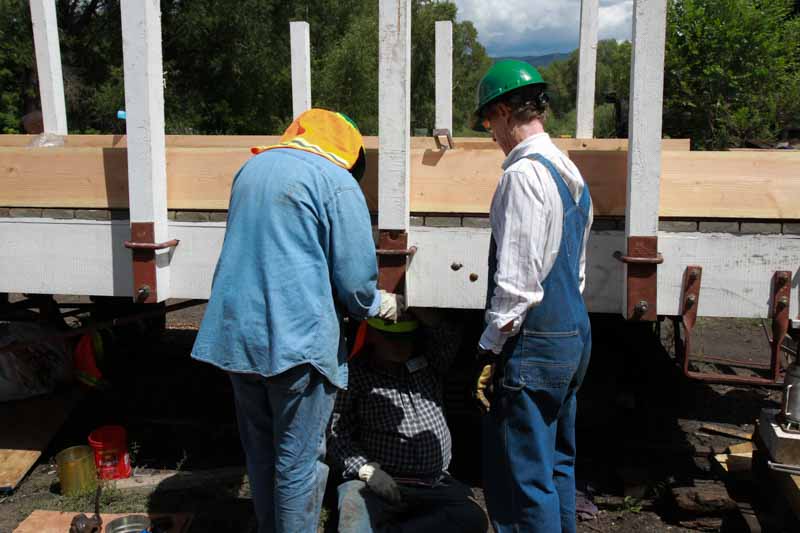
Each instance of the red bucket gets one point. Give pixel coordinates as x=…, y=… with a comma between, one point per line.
x=110, y=445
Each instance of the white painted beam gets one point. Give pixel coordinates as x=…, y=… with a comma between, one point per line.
x=144, y=105
x=48, y=66
x=587, y=67
x=301, y=67
x=646, y=100
x=444, y=75
x=394, y=113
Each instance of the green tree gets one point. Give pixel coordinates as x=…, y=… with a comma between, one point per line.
x=17, y=95
x=731, y=70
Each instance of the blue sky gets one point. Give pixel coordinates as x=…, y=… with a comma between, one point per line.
x=536, y=27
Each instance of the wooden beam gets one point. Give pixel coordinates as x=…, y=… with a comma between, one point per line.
x=301, y=67
x=444, y=75
x=147, y=173
x=48, y=66
x=247, y=141
x=693, y=185
x=394, y=113
x=587, y=67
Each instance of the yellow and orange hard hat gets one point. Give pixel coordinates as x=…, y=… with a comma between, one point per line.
x=329, y=134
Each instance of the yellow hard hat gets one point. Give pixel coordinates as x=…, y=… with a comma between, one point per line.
x=329, y=134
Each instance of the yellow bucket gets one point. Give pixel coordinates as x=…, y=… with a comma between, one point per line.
x=76, y=470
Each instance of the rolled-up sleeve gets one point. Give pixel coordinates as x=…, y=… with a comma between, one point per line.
x=520, y=224
x=354, y=268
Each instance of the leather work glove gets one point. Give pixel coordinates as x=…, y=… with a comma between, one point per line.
x=380, y=482
x=483, y=383
x=391, y=306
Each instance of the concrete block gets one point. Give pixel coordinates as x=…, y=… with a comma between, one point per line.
x=191, y=216
x=60, y=214
x=417, y=221
x=25, y=212
x=93, y=214
x=716, y=226
x=678, y=226
x=5, y=212
x=792, y=228
x=171, y=215
x=443, y=222
x=218, y=216
x=476, y=222
x=761, y=227
x=604, y=224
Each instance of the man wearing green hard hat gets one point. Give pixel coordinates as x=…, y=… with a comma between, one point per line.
x=534, y=350
x=389, y=437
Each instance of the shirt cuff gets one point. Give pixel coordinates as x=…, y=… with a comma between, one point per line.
x=492, y=339
x=376, y=305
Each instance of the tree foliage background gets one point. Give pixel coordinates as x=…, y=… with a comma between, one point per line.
x=227, y=65
x=732, y=69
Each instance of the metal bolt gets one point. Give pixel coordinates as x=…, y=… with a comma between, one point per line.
x=783, y=277
x=456, y=265
x=690, y=300
x=143, y=293
x=693, y=274
x=783, y=302
x=642, y=307
x=473, y=277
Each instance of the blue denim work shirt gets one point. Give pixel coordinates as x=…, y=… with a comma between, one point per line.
x=298, y=252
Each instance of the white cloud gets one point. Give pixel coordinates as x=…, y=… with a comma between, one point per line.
x=535, y=27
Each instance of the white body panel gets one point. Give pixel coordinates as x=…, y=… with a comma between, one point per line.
x=87, y=257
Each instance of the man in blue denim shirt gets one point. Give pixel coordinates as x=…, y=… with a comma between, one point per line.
x=298, y=253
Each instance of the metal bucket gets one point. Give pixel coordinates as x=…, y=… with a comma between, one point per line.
x=76, y=471
x=135, y=523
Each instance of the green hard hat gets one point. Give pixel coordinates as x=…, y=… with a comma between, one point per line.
x=504, y=76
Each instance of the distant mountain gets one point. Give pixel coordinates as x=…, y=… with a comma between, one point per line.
x=539, y=61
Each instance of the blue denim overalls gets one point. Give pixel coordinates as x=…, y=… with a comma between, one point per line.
x=529, y=433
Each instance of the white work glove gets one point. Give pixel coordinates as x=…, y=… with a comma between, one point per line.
x=380, y=482
x=391, y=306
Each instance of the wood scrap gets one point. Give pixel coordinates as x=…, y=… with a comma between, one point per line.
x=706, y=497
x=58, y=522
x=28, y=425
x=728, y=431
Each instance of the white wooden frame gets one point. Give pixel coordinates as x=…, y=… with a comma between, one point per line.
x=300, y=41
x=144, y=106
x=48, y=66
x=394, y=113
x=444, y=75
x=587, y=68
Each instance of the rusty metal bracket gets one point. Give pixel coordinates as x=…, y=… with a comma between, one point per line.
x=690, y=301
x=642, y=261
x=393, y=254
x=143, y=248
x=439, y=134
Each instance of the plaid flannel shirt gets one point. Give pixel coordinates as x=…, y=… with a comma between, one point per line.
x=396, y=418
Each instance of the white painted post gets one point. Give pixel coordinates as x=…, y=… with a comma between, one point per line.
x=645, y=122
x=587, y=65
x=444, y=75
x=301, y=67
x=144, y=106
x=48, y=66
x=394, y=113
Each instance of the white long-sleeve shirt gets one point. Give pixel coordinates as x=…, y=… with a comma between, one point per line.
x=527, y=220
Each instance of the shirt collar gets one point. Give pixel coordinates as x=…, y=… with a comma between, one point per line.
x=530, y=145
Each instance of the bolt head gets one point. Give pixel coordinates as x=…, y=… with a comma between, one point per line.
x=456, y=265
x=783, y=301
x=642, y=306
x=691, y=299
x=473, y=277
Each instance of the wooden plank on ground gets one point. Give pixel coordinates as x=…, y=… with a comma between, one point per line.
x=57, y=522
x=28, y=425
x=694, y=184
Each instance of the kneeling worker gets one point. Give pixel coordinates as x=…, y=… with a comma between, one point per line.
x=390, y=438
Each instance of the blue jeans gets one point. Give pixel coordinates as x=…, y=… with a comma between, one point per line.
x=444, y=508
x=529, y=434
x=282, y=421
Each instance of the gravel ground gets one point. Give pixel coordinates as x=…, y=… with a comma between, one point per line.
x=638, y=428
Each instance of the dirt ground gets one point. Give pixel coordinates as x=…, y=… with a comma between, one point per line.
x=638, y=429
